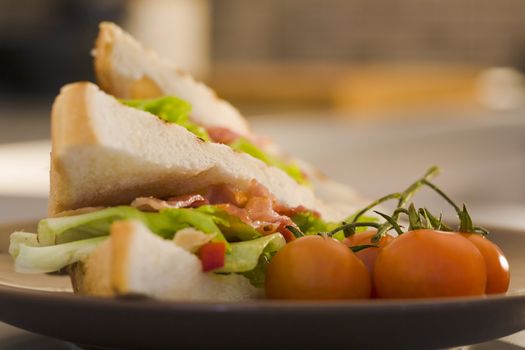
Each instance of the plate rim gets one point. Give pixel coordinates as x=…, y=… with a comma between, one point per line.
x=257, y=304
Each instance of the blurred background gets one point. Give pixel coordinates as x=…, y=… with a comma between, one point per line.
x=372, y=92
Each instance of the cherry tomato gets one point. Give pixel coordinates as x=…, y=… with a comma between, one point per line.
x=429, y=263
x=498, y=275
x=317, y=267
x=369, y=255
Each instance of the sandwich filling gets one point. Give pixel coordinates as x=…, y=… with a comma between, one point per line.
x=229, y=229
x=175, y=110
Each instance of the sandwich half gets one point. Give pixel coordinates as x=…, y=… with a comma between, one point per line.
x=142, y=204
x=125, y=69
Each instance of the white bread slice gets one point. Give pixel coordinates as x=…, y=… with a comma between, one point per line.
x=135, y=261
x=127, y=70
x=105, y=154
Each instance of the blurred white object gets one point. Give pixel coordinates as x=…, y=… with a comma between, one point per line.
x=176, y=29
x=25, y=169
x=501, y=88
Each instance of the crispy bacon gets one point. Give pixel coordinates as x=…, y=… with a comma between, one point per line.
x=155, y=204
x=254, y=206
x=283, y=210
x=222, y=194
x=258, y=212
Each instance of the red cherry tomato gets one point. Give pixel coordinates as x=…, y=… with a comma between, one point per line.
x=498, y=275
x=369, y=255
x=316, y=267
x=429, y=263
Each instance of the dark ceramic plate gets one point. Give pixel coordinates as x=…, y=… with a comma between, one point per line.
x=44, y=306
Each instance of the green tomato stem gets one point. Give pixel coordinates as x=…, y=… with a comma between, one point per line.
x=375, y=203
x=351, y=226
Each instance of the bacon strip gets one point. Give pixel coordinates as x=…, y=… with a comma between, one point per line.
x=254, y=206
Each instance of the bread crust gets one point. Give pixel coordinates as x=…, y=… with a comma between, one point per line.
x=76, y=274
x=70, y=126
x=121, y=236
x=105, y=272
x=102, y=56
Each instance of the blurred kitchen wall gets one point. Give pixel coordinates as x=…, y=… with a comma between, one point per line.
x=467, y=31
x=361, y=56
x=343, y=55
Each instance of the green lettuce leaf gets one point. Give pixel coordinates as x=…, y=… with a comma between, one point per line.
x=21, y=238
x=165, y=224
x=310, y=224
x=171, y=109
x=257, y=276
x=37, y=259
x=244, y=256
x=292, y=169
x=233, y=228
x=65, y=229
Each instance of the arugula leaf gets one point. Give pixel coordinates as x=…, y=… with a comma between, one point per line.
x=171, y=109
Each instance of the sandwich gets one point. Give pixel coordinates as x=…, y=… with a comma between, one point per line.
x=126, y=70
x=139, y=205
x=160, y=189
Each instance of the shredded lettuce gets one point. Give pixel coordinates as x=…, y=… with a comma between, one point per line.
x=171, y=109
x=244, y=256
x=36, y=259
x=292, y=169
